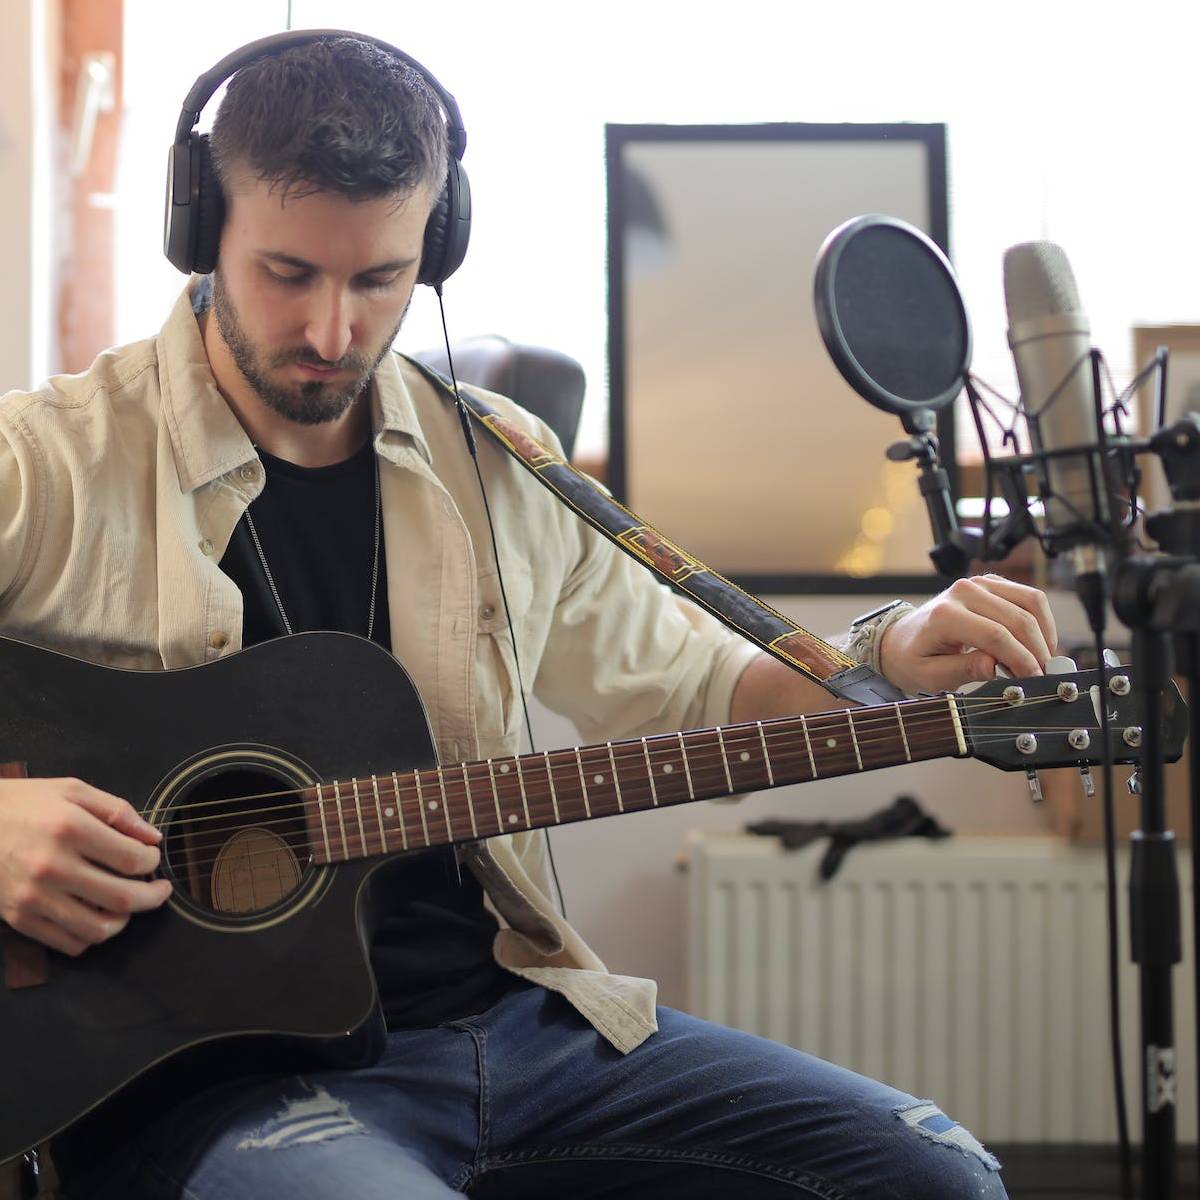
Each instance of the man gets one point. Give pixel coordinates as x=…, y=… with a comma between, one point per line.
x=265, y=465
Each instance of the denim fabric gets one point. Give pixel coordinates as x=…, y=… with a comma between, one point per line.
x=527, y=1100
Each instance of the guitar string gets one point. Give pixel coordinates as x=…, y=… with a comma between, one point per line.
x=709, y=759
x=542, y=811
x=563, y=761
x=933, y=712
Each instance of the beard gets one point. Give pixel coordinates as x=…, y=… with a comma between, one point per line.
x=312, y=402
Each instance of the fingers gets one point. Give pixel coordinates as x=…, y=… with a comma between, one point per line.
x=988, y=619
x=49, y=934
x=114, y=894
x=91, y=828
x=112, y=810
x=1028, y=598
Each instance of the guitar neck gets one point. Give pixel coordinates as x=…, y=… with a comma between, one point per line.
x=386, y=814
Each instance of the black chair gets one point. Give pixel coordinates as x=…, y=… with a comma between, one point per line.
x=546, y=382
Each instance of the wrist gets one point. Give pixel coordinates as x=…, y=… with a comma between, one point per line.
x=864, y=641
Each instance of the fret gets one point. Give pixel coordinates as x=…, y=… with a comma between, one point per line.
x=687, y=770
x=762, y=737
x=650, y=774
x=324, y=827
x=854, y=737
x=399, y=809
x=553, y=793
x=587, y=807
x=337, y=799
x=665, y=763
x=511, y=798
x=470, y=802
x=835, y=744
x=445, y=805
x=495, y=796
x=379, y=814
x=362, y=832
x=616, y=778
x=812, y=762
x=725, y=759
x=421, y=807
x=903, y=735
x=524, y=797
x=597, y=765
x=742, y=756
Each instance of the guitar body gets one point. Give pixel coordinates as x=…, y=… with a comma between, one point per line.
x=256, y=939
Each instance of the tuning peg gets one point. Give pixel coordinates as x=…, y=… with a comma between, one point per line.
x=1089, y=784
x=1035, y=787
x=1134, y=783
x=1111, y=659
x=1060, y=664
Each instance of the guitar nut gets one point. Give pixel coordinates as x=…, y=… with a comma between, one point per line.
x=1079, y=739
x=1132, y=735
x=1026, y=743
x=1119, y=685
x=1014, y=694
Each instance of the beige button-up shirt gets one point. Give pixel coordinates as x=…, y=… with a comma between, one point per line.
x=120, y=489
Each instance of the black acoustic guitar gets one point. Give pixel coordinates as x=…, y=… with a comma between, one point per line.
x=282, y=778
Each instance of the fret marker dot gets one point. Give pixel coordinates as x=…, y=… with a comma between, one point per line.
x=389, y=812
x=831, y=742
x=432, y=805
x=512, y=818
x=667, y=769
x=504, y=768
x=597, y=778
x=744, y=756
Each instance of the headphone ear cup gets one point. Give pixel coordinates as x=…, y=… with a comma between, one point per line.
x=448, y=229
x=210, y=207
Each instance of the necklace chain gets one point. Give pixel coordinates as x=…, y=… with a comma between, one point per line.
x=262, y=558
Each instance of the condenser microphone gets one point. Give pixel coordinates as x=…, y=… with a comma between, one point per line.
x=1051, y=344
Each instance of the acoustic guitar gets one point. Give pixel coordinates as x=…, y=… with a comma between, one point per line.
x=283, y=776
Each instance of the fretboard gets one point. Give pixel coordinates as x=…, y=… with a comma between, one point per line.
x=408, y=810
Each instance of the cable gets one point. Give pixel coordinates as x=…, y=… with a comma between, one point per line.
x=1110, y=870
x=469, y=435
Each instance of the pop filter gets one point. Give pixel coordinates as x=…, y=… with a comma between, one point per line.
x=892, y=317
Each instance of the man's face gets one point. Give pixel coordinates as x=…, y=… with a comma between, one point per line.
x=309, y=293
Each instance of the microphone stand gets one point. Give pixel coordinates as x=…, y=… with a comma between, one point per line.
x=1158, y=599
x=1177, y=531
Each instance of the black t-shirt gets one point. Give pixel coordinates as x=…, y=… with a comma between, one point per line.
x=432, y=953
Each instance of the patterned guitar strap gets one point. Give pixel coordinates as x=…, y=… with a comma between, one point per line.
x=745, y=614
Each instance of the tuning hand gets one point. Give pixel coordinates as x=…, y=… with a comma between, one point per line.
x=69, y=858
x=962, y=635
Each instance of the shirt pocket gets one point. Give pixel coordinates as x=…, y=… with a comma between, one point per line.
x=497, y=701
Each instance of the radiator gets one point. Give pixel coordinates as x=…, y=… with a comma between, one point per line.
x=971, y=971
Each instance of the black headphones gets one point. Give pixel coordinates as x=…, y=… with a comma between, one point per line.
x=195, y=207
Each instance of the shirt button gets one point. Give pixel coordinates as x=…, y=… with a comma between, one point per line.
x=487, y=611
x=248, y=473
x=206, y=546
x=218, y=640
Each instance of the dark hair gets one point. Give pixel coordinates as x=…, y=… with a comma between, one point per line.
x=336, y=115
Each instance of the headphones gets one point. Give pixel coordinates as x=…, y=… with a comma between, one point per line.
x=195, y=207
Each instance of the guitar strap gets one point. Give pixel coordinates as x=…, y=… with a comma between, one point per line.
x=745, y=614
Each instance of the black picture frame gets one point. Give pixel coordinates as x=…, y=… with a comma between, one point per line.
x=619, y=136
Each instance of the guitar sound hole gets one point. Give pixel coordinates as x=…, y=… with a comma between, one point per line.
x=235, y=841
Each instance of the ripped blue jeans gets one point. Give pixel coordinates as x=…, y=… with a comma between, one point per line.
x=527, y=1100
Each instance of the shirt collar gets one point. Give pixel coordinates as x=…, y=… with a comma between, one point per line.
x=207, y=439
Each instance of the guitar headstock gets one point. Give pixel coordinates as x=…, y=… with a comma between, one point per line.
x=1054, y=720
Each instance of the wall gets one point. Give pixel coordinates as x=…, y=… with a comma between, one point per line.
x=28, y=69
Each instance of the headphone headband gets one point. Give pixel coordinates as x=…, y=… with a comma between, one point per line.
x=195, y=206
x=204, y=87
